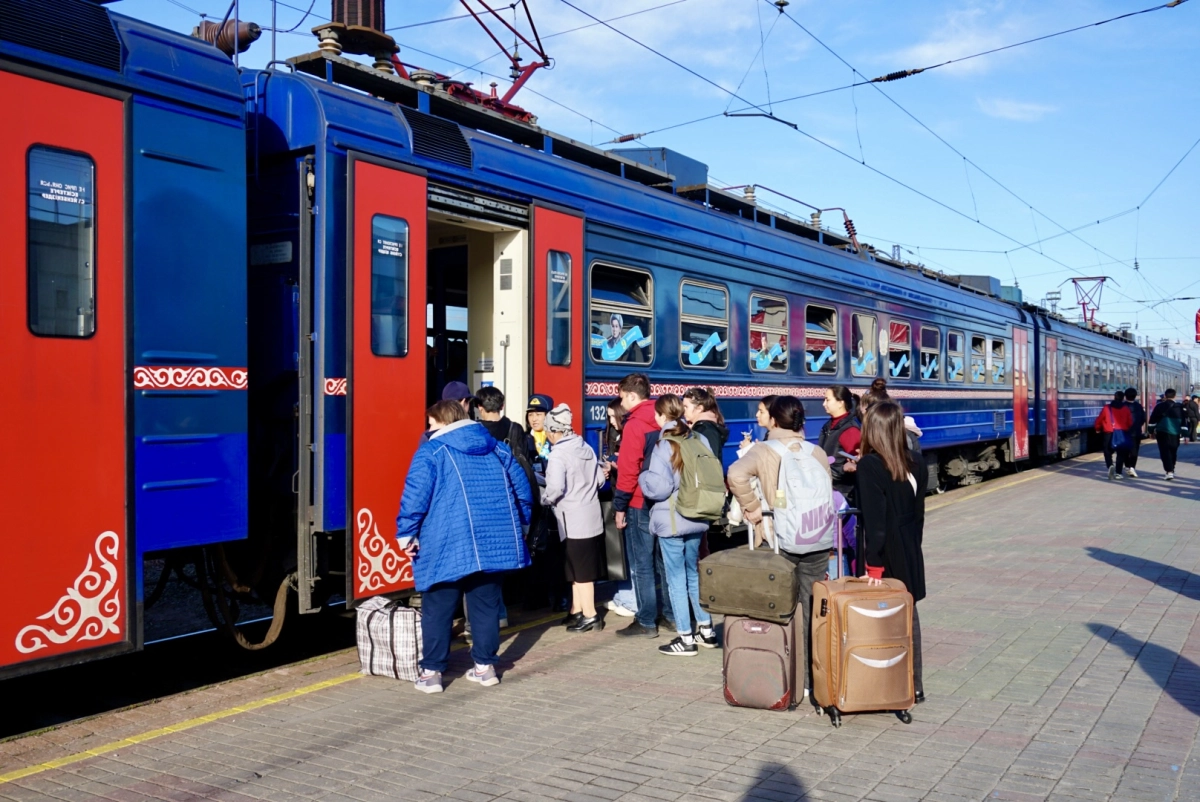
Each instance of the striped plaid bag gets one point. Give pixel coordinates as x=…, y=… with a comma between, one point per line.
x=389, y=639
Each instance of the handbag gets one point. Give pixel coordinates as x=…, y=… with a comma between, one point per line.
x=1120, y=437
x=614, y=544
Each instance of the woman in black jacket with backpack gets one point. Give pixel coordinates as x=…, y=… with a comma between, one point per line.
x=891, y=500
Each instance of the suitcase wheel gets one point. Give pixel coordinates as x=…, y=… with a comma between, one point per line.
x=835, y=716
x=904, y=716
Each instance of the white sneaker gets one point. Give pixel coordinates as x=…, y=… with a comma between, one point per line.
x=1131, y=473
x=1119, y=476
x=619, y=610
x=1112, y=472
x=1170, y=476
x=429, y=682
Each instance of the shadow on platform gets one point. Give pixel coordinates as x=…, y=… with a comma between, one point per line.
x=775, y=781
x=1185, y=583
x=1178, y=676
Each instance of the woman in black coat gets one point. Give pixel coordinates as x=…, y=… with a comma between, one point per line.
x=891, y=498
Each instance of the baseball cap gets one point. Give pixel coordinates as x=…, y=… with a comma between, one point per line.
x=456, y=391
x=539, y=403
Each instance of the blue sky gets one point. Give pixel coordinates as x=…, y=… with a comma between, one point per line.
x=1080, y=127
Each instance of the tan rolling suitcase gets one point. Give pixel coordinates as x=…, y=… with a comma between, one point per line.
x=862, y=648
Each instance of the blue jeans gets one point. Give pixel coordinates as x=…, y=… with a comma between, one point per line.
x=438, y=605
x=681, y=558
x=645, y=566
x=625, y=595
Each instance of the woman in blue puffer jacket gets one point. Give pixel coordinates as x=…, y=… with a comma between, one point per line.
x=678, y=537
x=462, y=541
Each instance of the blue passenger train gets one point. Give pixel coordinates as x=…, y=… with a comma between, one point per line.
x=234, y=292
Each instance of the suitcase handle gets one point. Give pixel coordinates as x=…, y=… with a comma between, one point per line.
x=768, y=530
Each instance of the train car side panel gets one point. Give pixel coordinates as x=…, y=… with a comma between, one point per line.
x=62, y=353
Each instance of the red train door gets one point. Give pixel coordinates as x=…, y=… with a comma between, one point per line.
x=62, y=355
x=1020, y=439
x=1051, y=385
x=558, y=348
x=385, y=385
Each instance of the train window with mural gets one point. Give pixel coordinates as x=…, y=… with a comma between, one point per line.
x=931, y=354
x=864, y=340
x=622, y=315
x=820, y=339
x=62, y=243
x=768, y=333
x=558, y=311
x=389, y=286
x=899, y=350
x=703, y=325
x=999, y=363
x=978, y=360
x=955, y=348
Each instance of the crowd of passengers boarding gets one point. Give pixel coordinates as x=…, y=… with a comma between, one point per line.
x=1123, y=424
x=484, y=493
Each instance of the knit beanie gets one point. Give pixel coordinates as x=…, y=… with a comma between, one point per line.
x=559, y=419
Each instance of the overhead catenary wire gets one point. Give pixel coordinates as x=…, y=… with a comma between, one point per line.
x=941, y=139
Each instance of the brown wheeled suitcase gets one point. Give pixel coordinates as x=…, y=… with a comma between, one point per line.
x=760, y=663
x=756, y=583
x=862, y=648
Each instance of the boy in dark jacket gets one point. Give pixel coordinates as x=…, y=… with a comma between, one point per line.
x=1137, y=433
x=632, y=515
x=1167, y=420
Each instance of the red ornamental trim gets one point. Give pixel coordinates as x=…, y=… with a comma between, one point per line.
x=189, y=378
x=609, y=389
x=335, y=387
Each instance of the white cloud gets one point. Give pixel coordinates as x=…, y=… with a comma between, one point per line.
x=964, y=32
x=1015, y=110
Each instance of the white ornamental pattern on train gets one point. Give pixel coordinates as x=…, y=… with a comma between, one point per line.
x=335, y=387
x=189, y=378
x=89, y=610
x=380, y=563
x=609, y=389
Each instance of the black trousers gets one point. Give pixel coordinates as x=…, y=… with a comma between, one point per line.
x=1168, y=448
x=1131, y=459
x=1122, y=453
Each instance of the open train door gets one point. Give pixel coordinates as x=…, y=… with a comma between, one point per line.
x=1020, y=437
x=65, y=564
x=385, y=386
x=1051, y=385
x=558, y=349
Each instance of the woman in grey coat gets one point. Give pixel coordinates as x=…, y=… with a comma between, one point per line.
x=573, y=479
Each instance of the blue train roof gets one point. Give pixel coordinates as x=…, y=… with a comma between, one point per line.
x=84, y=39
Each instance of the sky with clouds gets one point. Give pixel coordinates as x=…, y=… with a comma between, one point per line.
x=1029, y=142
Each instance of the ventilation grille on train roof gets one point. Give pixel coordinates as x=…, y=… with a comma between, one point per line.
x=435, y=138
x=75, y=29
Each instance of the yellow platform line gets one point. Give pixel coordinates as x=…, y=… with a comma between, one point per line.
x=150, y=735
x=948, y=499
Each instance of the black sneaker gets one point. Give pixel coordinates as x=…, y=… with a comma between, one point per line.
x=636, y=629
x=707, y=638
x=677, y=648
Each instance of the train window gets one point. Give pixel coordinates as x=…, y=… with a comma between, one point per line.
x=899, y=350
x=1068, y=372
x=768, y=333
x=622, y=315
x=931, y=353
x=978, y=360
x=389, y=286
x=955, y=343
x=62, y=243
x=864, y=333
x=1087, y=373
x=999, y=364
x=820, y=339
x=558, y=312
x=703, y=325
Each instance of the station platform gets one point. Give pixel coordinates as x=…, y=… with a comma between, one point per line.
x=1062, y=659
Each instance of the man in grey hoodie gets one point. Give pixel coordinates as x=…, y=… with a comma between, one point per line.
x=573, y=479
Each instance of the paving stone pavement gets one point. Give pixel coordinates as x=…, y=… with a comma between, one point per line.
x=1062, y=654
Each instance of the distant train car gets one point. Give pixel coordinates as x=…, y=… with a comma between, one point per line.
x=353, y=240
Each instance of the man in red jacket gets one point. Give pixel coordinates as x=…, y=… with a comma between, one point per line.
x=645, y=562
x=1116, y=417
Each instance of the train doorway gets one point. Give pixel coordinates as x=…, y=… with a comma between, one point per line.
x=477, y=306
